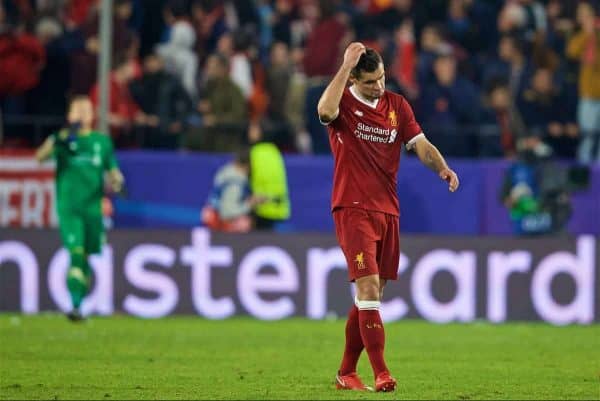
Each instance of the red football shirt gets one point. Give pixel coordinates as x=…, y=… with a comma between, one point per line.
x=366, y=140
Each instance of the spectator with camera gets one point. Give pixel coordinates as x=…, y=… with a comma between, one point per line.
x=532, y=207
x=230, y=203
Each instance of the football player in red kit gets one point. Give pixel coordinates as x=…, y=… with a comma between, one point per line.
x=367, y=127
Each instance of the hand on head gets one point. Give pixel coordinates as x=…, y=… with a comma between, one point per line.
x=353, y=53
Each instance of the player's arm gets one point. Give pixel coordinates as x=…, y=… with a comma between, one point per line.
x=329, y=103
x=45, y=150
x=432, y=158
x=115, y=177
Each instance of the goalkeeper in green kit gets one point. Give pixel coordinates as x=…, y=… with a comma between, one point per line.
x=82, y=156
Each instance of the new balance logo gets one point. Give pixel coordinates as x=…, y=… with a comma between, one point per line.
x=358, y=113
x=373, y=326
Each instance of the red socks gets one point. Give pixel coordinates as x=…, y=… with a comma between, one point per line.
x=373, y=337
x=364, y=329
x=354, y=343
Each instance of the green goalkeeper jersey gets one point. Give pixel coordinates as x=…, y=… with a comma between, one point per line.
x=81, y=161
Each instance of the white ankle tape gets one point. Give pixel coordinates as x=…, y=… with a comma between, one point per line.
x=367, y=305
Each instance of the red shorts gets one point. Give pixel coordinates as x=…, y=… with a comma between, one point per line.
x=370, y=241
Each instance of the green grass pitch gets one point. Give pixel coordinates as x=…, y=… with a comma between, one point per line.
x=47, y=357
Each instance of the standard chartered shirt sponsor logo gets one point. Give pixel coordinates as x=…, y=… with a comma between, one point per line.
x=94, y=160
x=375, y=134
x=373, y=130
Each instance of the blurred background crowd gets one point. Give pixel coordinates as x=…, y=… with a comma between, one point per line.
x=486, y=78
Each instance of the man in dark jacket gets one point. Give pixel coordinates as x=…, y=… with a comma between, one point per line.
x=165, y=103
x=450, y=108
x=223, y=110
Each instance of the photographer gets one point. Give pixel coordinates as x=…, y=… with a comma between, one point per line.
x=537, y=192
x=230, y=203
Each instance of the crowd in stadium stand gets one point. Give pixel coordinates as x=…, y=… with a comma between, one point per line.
x=484, y=76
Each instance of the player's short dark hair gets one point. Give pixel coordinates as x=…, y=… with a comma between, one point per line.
x=242, y=156
x=368, y=62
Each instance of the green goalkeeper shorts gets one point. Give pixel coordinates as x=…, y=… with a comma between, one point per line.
x=82, y=231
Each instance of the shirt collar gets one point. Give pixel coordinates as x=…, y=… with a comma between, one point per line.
x=372, y=104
